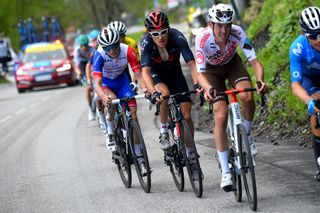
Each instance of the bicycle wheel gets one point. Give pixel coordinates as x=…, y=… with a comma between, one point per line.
x=122, y=159
x=191, y=158
x=236, y=177
x=139, y=155
x=176, y=167
x=248, y=174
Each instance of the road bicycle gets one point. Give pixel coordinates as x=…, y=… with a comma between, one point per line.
x=131, y=146
x=183, y=151
x=241, y=161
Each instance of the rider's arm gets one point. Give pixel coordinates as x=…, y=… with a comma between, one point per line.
x=300, y=92
x=135, y=66
x=76, y=62
x=88, y=72
x=98, y=63
x=146, y=75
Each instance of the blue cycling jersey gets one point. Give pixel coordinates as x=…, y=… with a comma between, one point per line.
x=305, y=64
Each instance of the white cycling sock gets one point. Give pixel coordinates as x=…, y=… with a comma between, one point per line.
x=247, y=125
x=163, y=128
x=223, y=157
x=110, y=127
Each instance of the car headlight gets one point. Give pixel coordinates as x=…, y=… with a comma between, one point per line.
x=20, y=72
x=65, y=67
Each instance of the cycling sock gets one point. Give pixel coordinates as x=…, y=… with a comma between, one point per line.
x=163, y=128
x=110, y=127
x=316, y=147
x=223, y=157
x=137, y=149
x=247, y=125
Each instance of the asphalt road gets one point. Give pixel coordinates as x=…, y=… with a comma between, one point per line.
x=53, y=160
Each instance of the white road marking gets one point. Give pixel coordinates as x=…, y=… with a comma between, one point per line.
x=6, y=118
x=20, y=111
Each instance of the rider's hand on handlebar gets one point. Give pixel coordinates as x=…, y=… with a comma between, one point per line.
x=156, y=97
x=198, y=88
x=209, y=93
x=263, y=89
x=106, y=99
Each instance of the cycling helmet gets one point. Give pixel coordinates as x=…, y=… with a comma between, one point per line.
x=156, y=20
x=118, y=26
x=221, y=14
x=93, y=34
x=82, y=40
x=310, y=20
x=108, y=37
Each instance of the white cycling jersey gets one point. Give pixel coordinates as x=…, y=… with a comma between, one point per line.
x=208, y=51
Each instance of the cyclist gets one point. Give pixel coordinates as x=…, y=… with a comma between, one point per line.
x=217, y=60
x=111, y=82
x=93, y=37
x=305, y=70
x=161, y=68
x=81, y=58
x=122, y=29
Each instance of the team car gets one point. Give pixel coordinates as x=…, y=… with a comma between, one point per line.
x=43, y=64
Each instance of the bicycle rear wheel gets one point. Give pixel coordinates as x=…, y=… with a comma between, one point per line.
x=122, y=159
x=191, y=158
x=139, y=155
x=248, y=173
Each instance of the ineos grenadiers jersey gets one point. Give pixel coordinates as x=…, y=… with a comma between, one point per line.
x=110, y=68
x=177, y=44
x=304, y=60
x=208, y=51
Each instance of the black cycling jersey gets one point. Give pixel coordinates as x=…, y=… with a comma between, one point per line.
x=177, y=44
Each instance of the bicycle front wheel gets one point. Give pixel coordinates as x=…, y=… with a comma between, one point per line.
x=122, y=159
x=191, y=157
x=139, y=155
x=236, y=177
x=248, y=173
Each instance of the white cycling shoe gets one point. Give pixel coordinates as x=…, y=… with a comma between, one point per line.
x=226, y=182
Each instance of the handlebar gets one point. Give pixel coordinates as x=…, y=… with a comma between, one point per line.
x=117, y=101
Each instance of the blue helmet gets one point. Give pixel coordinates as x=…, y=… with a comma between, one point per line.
x=82, y=40
x=93, y=34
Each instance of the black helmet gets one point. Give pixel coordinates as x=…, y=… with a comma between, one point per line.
x=156, y=20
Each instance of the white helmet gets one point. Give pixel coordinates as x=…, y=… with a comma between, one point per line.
x=108, y=37
x=221, y=14
x=310, y=20
x=118, y=26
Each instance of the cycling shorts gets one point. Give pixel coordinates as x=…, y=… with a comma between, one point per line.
x=121, y=88
x=234, y=71
x=311, y=84
x=174, y=80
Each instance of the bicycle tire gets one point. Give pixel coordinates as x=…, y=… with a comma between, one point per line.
x=124, y=163
x=176, y=166
x=236, y=178
x=248, y=173
x=134, y=130
x=196, y=183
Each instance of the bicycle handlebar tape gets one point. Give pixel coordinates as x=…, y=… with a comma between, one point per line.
x=311, y=107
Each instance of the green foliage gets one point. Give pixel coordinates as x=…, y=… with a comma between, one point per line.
x=280, y=20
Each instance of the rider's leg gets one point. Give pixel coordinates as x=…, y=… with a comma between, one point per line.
x=220, y=110
x=91, y=114
x=186, y=113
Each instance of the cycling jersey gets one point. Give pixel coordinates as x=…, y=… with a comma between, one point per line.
x=305, y=65
x=133, y=44
x=81, y=56
x=208, y=52
x=112, y=70
x=168, y=72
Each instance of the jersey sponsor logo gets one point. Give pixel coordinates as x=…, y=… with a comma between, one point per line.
x=297, y=51
x=199, y=57
x=182, y=37
x=295, y=74
x=143, y=44
x=204, y=39
x=154, y=75
x=314, y=65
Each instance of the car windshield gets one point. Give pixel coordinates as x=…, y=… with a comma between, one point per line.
x=44, y=56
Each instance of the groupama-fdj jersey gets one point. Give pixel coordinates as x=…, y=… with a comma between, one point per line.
x=112, y=70
x=208, y=52
x=167, y=70
x=305, y=65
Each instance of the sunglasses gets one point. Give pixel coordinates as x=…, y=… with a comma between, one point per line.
x=109, y=48
x=156, y=34
x=224, y=14
x=314, y=36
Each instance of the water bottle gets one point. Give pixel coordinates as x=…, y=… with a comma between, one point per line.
x=124, y=133
x=175, y=133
